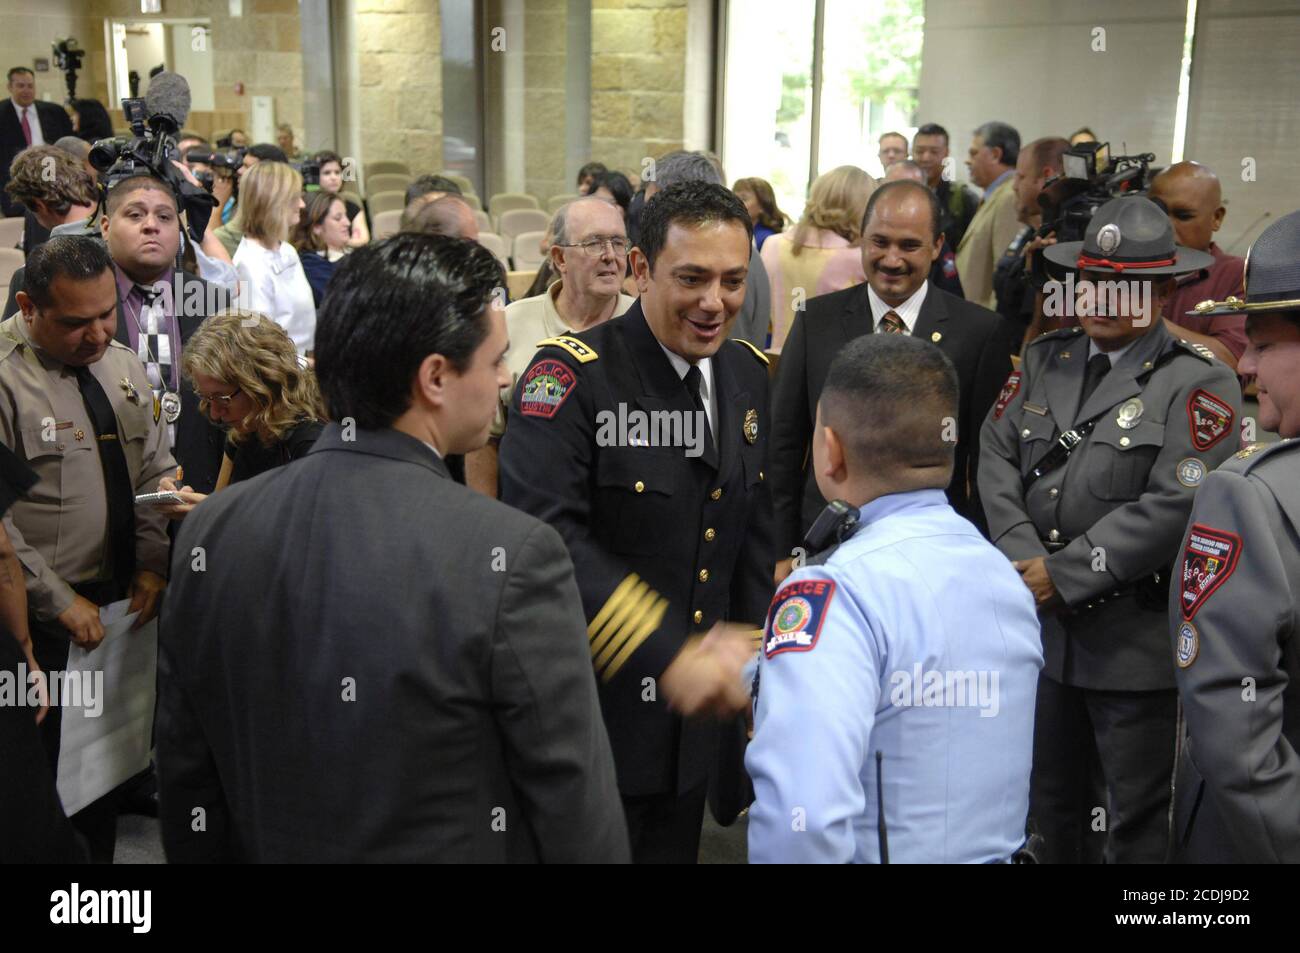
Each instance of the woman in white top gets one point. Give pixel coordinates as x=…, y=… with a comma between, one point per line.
x=271, y=277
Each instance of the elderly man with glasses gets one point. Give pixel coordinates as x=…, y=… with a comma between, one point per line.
x=590, y=255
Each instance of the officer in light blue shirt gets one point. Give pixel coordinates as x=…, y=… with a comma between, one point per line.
x=894, y=712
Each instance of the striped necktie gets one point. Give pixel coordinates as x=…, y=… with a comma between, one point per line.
x=891, y=323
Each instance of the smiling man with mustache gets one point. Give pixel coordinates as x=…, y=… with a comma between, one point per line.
x=667, y=545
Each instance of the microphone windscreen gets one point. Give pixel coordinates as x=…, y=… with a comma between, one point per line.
x=169, y=96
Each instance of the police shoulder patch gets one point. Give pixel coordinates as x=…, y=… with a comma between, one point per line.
x=1009, y=391
x=545, y=388
x=571, y=344
x=756, y=351
x=1209, y=558
x=794, y=620
x=1210, y=419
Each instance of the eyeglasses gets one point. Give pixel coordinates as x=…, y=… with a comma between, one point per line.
x=595, y=247
x=222, y=400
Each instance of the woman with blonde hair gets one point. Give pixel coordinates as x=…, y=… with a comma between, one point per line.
x=270, y=273
x=250, y=381
x=823, y=252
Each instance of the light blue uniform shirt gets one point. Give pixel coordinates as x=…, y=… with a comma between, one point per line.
x=916, y=639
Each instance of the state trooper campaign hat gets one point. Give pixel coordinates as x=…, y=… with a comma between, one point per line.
x=1272, y=273
x=1129, y=235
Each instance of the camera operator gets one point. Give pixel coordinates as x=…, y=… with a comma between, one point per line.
x=25, y=122
x=232, y=231
x=1191, y=194
x=63, y=202
x=1013, y=284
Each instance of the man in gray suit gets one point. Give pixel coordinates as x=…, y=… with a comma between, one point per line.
x=363, y=660
x=1235, y=612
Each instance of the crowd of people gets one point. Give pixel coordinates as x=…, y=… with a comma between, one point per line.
x=908, y=527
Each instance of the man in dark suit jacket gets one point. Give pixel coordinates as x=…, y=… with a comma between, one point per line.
x=45, y=122
x=901, y=241
x=143, y=232
x=670, y=532
x=374, y=663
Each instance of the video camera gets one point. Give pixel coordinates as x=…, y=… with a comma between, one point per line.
x=151, y=149
x=230, y=160
x=309, y=169
x=67, y=57
x=1090, y=177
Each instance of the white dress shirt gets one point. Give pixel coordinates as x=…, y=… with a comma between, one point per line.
x=33, y=120
x=273, y=283
x=909, y=311
x=681, y=366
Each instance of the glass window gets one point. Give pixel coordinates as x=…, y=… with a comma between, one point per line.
x=871, y=72
x=768, y=115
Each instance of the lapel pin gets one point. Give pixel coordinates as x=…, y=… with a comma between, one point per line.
x=936, y=337
x=79, y=434
x=131, y=394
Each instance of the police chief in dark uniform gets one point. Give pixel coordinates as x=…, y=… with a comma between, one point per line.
x=669, y=540
x=1089, y=462
x=1235, y=606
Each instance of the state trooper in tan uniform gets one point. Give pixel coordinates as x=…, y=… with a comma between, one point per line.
x=1235, y=605
x=76, y=406
x=1089, y=462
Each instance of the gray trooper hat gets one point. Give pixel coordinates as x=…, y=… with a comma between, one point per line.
x=1129, y=235
x=1272, y=273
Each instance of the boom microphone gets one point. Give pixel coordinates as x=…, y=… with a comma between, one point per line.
x=168, y=102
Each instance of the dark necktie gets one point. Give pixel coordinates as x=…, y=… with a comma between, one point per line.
x=27, y=126
x=891, y=323
x=692, y=380
x=1098, y=367
x=117, y=479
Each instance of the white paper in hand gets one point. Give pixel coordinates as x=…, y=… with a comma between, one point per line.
x=105, y=739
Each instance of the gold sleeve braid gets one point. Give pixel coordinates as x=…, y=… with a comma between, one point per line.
x=628, y=617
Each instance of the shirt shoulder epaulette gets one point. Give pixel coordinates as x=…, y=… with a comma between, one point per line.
x=1200, y=350
x=753, y=350
x=1060, y=334
x=1250, y=458
x=577, y=349
x=9, y=340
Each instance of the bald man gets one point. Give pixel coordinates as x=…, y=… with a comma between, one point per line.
x=449, y=215
x=1191, y=194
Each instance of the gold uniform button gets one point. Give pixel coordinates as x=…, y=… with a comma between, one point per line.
x=760, y=474
x=1054, y=535
x=716, y=494
x=1053, y=492
x=698, y=617
x=1124, y=441
x=709, y=534
x=704, y=575
x=639, y=487
x=1025, y=432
